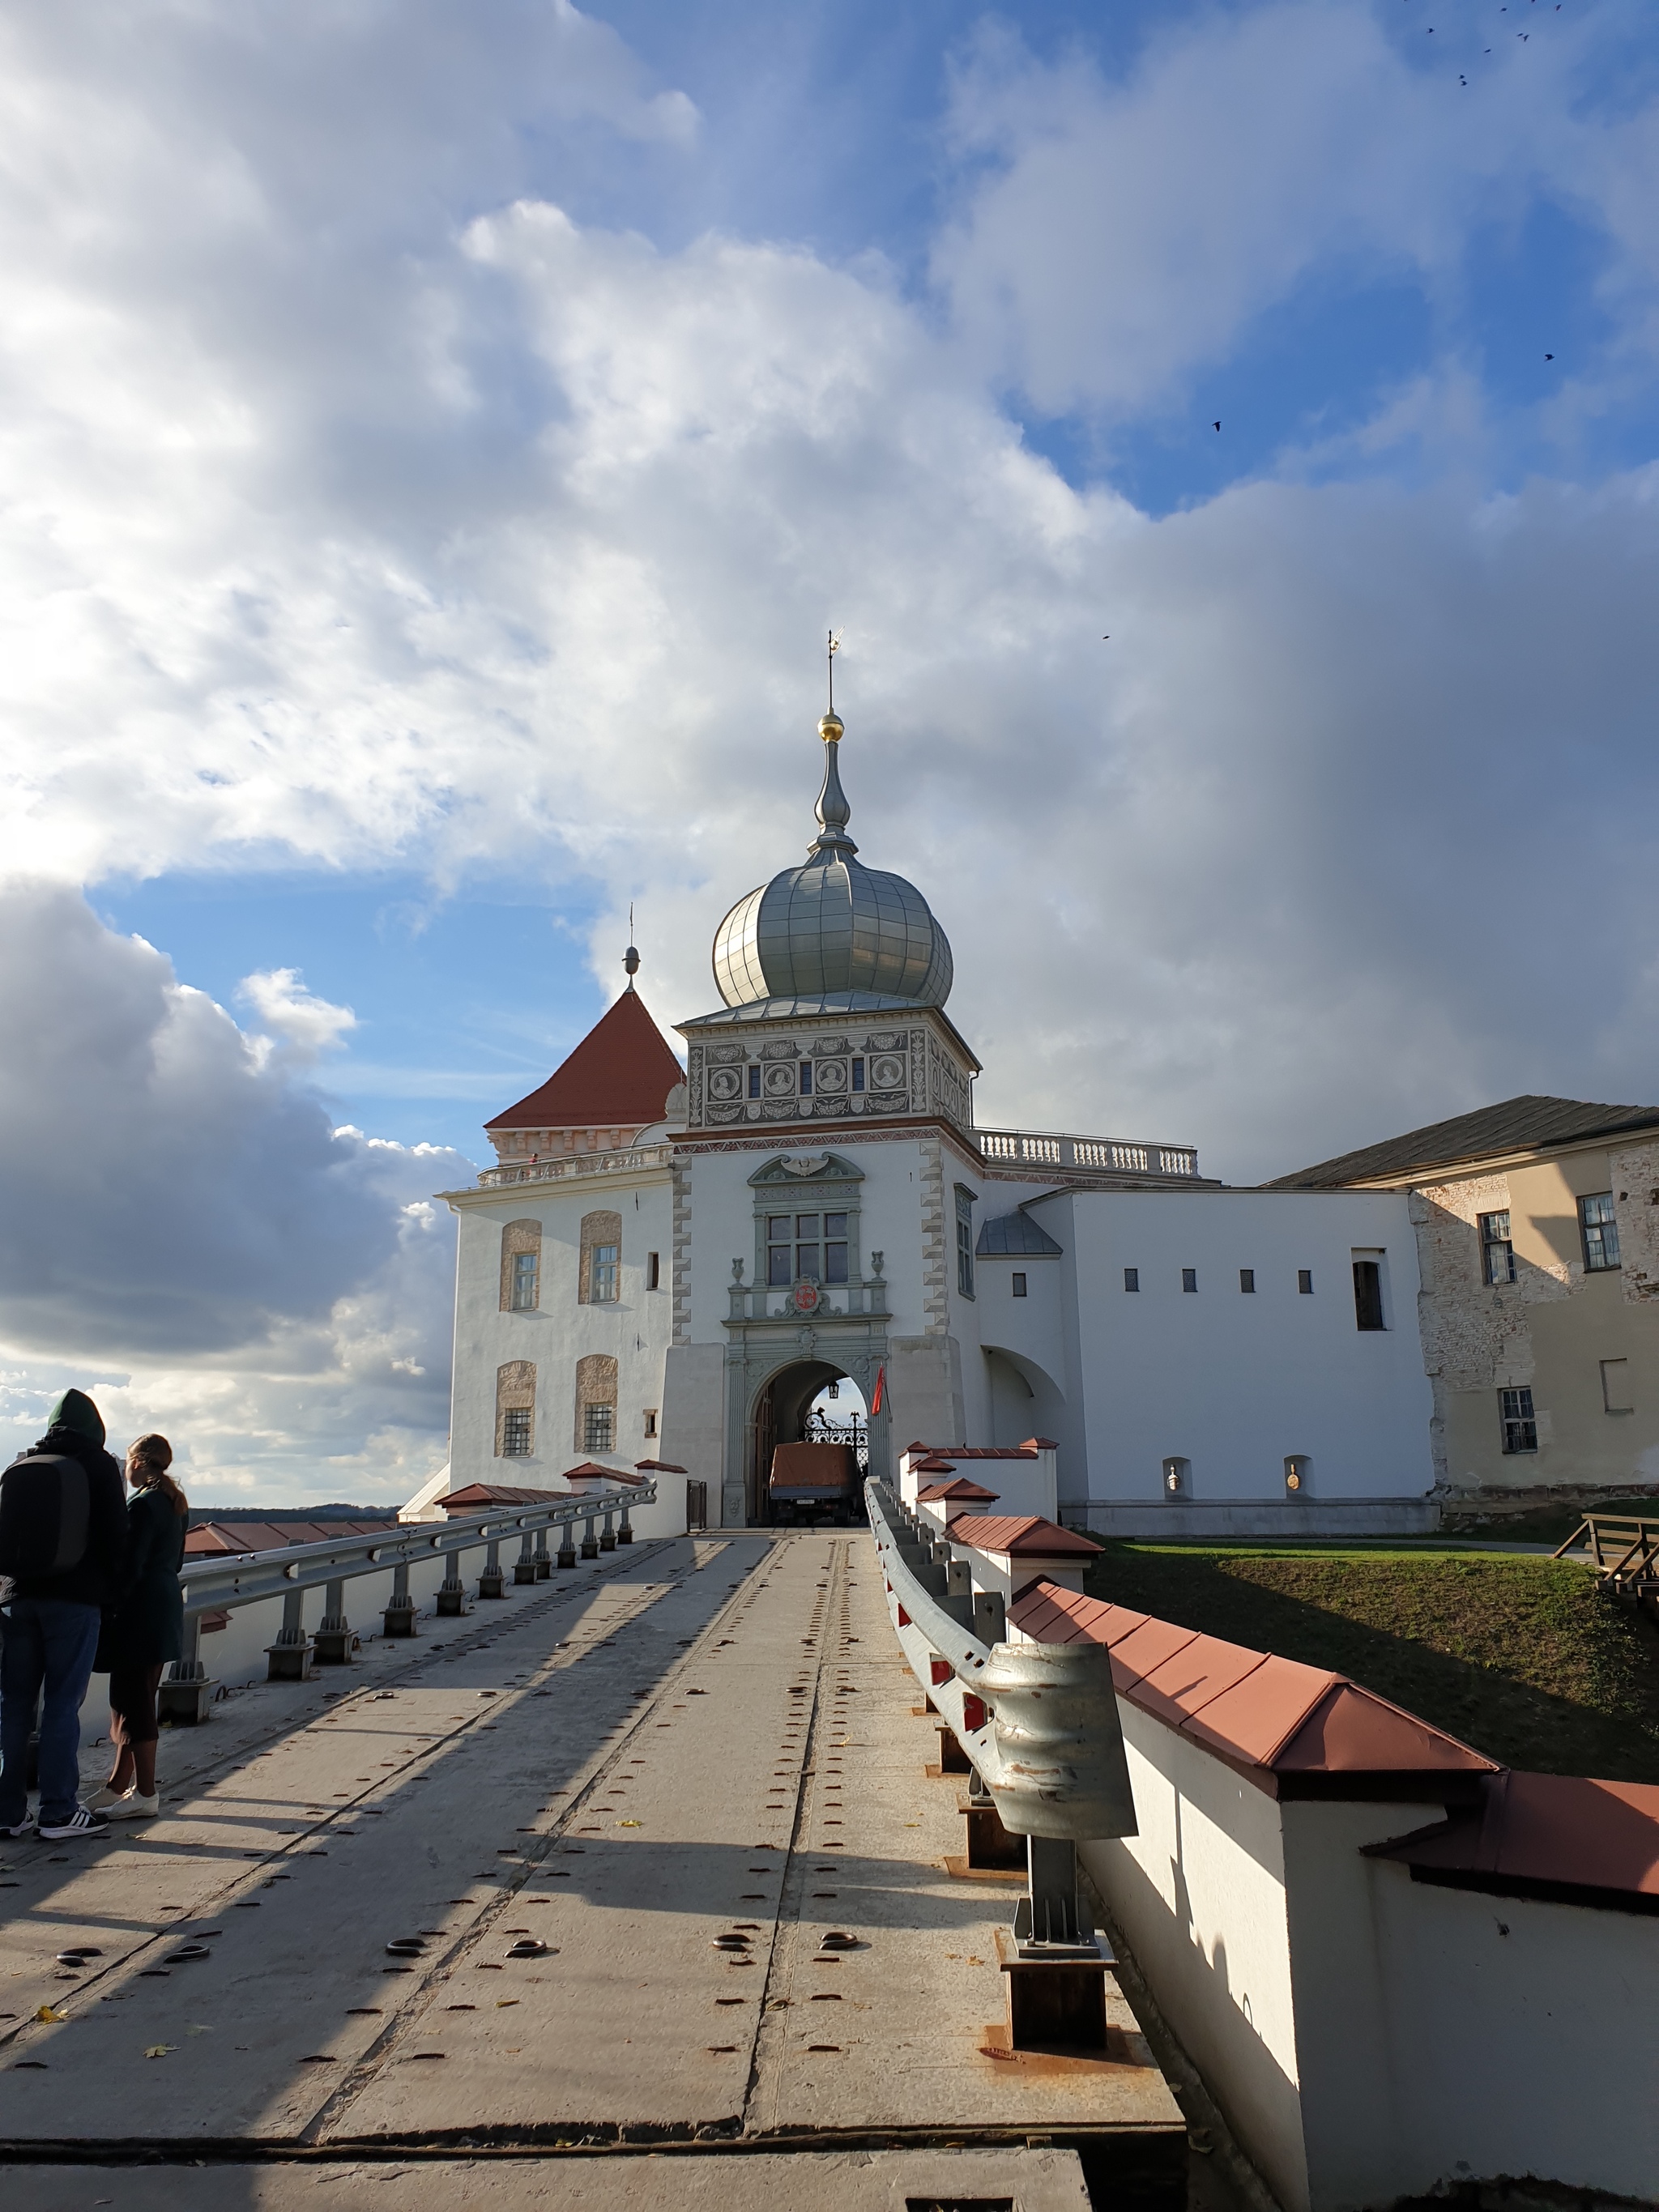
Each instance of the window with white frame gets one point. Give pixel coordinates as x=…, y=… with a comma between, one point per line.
x=964, y=1241
x=525, y=1266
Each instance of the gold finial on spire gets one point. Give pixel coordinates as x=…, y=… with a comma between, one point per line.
x=830, y=727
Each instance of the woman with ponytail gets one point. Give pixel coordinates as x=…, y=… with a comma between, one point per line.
x=143, y=1628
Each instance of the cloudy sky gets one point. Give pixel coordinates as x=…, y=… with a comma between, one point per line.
x=435, y=436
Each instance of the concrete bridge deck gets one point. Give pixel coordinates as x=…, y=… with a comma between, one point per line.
x=614, y=1818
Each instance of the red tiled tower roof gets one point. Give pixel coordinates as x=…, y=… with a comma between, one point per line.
x=619, y=1076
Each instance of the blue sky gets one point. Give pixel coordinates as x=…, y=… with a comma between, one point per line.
x=436, y=437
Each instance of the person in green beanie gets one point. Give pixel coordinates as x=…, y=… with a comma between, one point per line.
x=49, y=1626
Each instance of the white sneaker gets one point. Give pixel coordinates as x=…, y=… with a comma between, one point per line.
x=101, y=1800
x=23, y=1828
x=132, y=1806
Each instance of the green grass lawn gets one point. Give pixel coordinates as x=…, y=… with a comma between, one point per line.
x=1521, y=1657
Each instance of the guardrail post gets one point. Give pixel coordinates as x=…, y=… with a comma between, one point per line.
x=544, y=1564
x=186, y=1689
x=332, y=1647
x=991, y=1848
x=523, y=1567
x=958, y=1598
x=289, y=1659
x=1055, y=1963
x=489, y=1581
x=608, y=1539
x=990, y=1620
x=625, y=1534
x=567, y=1543
x=399, y=1616
x=452, y=1590
x=590, y=1542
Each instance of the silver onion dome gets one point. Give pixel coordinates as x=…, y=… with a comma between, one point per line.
x=832, y=935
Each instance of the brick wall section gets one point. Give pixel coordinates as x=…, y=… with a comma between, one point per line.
x=1636, y=1204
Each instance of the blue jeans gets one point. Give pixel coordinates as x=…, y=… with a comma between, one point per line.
x=44, y=1641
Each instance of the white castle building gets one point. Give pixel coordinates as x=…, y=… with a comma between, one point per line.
x=668, y=1264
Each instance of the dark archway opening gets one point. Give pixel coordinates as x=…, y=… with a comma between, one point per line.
x=783, y=1414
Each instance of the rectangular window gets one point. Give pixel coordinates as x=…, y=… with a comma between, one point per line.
x=858, y=1075
x=651, y=1420
x=1599, y=1233
x=964, y=1241
x=754, y=1082
x=1304, y=1281
x=1190, y=1279
x=1368, y=1295
x=524, y=1282
x=780, y=1251
x=1497, y=1253
x=1020, y=1286
x=598, y=1428
x=606, y=1270
x=1246, y=1279
x=1132, y=1279
x=806, y=1079
x=835, y=1247
x=1520, y=1423
x=1616, y=1386
x=652, y=1270
x=515, y=1432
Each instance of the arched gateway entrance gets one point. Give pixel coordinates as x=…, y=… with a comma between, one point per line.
x=778, y=1416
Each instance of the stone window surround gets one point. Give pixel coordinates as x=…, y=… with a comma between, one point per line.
x=515, y=1388
x=837, y=1187
x=596, y=1385
x=522, y=1236
x=601, y=1227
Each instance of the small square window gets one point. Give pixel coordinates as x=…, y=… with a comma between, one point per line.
x=1304, y=1281
x=515, y=1432
x=1520, y=1422
x=1190, y=1279
x=754, y=1083
x=1132, y=1279
x=1599, y=1233
x=1020, y=1286
x=1246, y=1279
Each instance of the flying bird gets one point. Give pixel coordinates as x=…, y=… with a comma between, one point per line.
x=1215, y=426
x=1549, y=356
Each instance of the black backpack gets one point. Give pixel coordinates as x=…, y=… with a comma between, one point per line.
x=45, y=1504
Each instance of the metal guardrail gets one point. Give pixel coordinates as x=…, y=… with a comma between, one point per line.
x=1038, y=1722
x=217, y=1584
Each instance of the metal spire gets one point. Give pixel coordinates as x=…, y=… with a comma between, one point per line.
x=833, y=812
x=631, y=959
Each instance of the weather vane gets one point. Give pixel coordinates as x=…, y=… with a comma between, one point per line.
x=631, y=959
x=835, y=647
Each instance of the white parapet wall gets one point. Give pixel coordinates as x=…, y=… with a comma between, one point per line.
x=1376, y=2027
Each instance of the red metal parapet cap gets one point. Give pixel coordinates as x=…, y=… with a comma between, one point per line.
x=1020, y=1536
x=1286, y=1724
x=931, y=1465
x=659, y=1467
x=961, y=1491
x=235, y=1537
x=479, y=1496
x=977, y=1451
x=591, y=1471
x=1552, y=1836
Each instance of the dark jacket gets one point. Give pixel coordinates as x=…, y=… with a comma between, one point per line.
x=144, y=1623
x=94, y=1581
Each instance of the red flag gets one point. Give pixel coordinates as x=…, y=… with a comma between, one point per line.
x=881, y=1388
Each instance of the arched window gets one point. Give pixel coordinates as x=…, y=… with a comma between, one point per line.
x=600, y=1280
x=596, y=1403
x=516, y=1409
x=522, y=1266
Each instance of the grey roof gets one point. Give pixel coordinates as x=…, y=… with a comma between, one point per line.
x=1518, y=1125
x=1016, y=1237
x=833, y=929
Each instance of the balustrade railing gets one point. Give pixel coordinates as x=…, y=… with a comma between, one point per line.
x=1110, y=1155
x=624, y=1161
